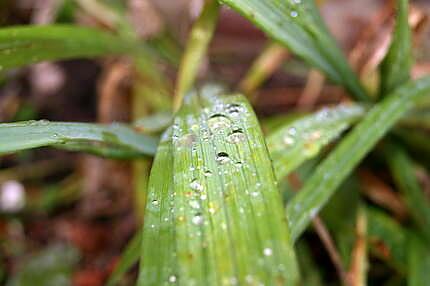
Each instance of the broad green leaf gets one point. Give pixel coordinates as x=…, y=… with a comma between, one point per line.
x=298, y=26
x=396, y=66
x=115, y=140
x=387, y=238
x=418, y=262
x=24, y=45
x=51, y=266
x=402, y=169
x=350, y=151
x=291, y=145
x=129, y=257
x=197, y=45
x=214, y=214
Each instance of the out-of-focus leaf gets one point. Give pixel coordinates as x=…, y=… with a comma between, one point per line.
x=350, y=151
x=402, y=170
x=309, y=270
x=291, y=145
x=418, y=262
x=214, y=214
x=129, y=257
x=115, y=140
x=298, y=26
x=197, y=44
x=387, y=239
x=396, y=66
x=24, y=45
x=51, y=267
x=154, y=123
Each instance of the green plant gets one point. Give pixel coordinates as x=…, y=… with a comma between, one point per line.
x=214, y=210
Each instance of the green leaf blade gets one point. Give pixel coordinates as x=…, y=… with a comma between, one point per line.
x=294, y=143
x=351, y=150
x=298, y=26
x=395, y=69
x=115, y=140
x=228, y=224
x=24, y=45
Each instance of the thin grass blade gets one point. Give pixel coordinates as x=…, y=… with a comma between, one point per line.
x=350, y=151
x=395, y=69
x=418, y=262
x=214, y=214
x=387, y=239
x=129, y=257
x=298, y=26
x=293, y=144
x=402, y=169
x=115, y=140
x=25, y=45
x=197, y=45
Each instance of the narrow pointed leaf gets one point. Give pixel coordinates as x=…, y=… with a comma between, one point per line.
x=350, y=151
x=387, y=238
x=115, y=140
x=214, y=214
x=24, y=45
x=396, y=66
x=418, y=262
x=298, y=26
x=402, y=169
x=197, y=45
x=129, y=257
x=291, y=145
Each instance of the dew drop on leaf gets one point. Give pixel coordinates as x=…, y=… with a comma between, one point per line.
x=196, y=186
x=197, y=219
x=267, y=251
x=223, y=158
x=218, y=122
x=236, y=136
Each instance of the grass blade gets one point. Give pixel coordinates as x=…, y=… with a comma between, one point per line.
x=418, y=262
x=115, y=140
x=298, y=26
x=197, y=44
x=351, y=150
x=387, y=239
x=129, y=257
x=215, y=215
x=291, y=145
x=402, y=170
x=396, y=66
x=24, y=45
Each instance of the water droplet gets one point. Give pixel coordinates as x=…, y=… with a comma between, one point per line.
x=267, y=251
x=196, y=186
x=207, y=173
x=187, y=140
x=236, y=136
x=288, y=140
x=313, y=212
x=315, y=135
x=194, y=204
x=292, y=131
x=254, y=194
x=297, y=1
x=294, y=14
x=155, y=202
x=234, y=109
x=238, y=164
x=172, y=278
x=218, y=122
x=223, y=158
x=197, y=219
